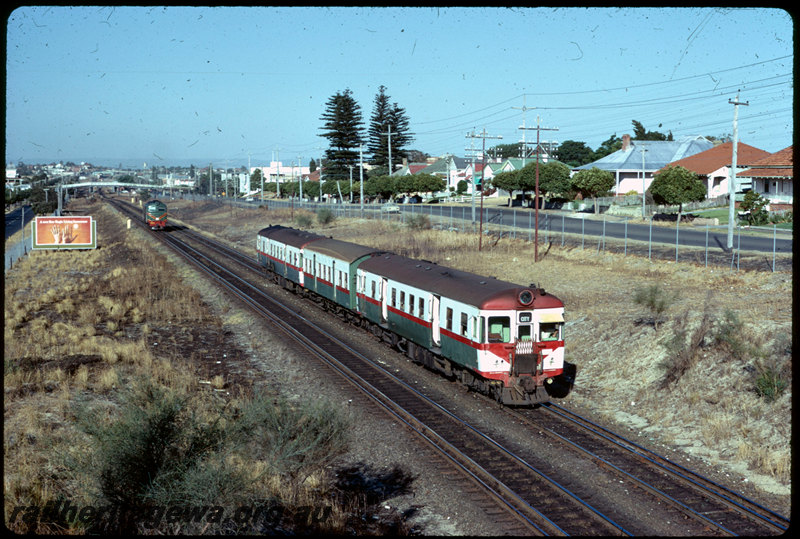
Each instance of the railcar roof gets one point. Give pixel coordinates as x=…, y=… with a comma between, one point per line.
x=459, y=285
x=343, y=250
x=289, y=236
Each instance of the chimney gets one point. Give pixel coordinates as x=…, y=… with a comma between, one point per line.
x=626, y=142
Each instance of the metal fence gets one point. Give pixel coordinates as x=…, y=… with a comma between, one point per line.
x=553, y=233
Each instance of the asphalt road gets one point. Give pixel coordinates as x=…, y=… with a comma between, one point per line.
x=616, y=228
x=13, y=220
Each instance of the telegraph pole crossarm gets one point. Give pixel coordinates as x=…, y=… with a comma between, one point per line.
x=536, y=202
x=483, y=136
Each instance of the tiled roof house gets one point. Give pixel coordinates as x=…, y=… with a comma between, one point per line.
x=772, y=177
x=713, y=166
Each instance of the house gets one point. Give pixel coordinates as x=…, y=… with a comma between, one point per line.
x=713, y=166
x=772, y=178
x=635, y=163
x=277, y=171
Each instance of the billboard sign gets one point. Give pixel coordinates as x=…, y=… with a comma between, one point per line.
x=65, y=232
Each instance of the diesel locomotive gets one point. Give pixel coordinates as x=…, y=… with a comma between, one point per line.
x=155, y=214
x=496, y=337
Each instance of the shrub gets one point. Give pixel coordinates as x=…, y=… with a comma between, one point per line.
x=325, y=216
x=303, y=220
x=656, y=300
x=418, y=221
x=730, y=336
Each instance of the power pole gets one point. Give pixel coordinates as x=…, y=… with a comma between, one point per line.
x=484, y=136
x=300, y=164
x=523, y=108
x=361, y=176
x=536, y=202
x=471, y=150
x=732, y=182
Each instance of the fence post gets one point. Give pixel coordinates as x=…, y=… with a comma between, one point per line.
x=774, y=231
x=677, y=228
x=562, y=230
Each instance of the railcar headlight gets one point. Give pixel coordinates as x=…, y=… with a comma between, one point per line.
x=526, y=297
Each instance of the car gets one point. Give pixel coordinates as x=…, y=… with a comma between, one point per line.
x=390, y=208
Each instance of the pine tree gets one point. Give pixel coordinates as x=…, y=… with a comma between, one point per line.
x=343, y=128
x=384, y=117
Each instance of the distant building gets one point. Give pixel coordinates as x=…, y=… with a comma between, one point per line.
x=773, y=177
x=637, y=160
x=713, y=166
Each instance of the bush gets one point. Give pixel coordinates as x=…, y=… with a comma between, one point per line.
x=656, y=300
x=419, y=221
x=169, y=449
x=325, y=216
x=303, y=220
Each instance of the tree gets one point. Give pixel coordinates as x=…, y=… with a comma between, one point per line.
x=593, y=182
x=608, y=146
x=640, y=133
x=574, y=153
x=510, y=181
x=428, y=183
x=343, y=127
x=386, y=117
x=504, y=151
x=380, y=186
x=754, y=204
x=554, y=179
x=676, y=185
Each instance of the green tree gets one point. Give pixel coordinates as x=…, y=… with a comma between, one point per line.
x=343, y=127
x=509, y=180
x=386, y=116
x=428, y=183
x=554, y=179
x=593, y=182
x=640, y=133
x=676, y=185
x=574, y=153
x=380, y=186
x=755, y=204
x=608, y=146
x=504, y=151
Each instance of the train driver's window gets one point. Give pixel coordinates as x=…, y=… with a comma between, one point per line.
x=499, y=329
x=549, y=331
x=523, y=333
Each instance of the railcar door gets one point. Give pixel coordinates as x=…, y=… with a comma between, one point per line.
x=384, y=299
x=436, y=333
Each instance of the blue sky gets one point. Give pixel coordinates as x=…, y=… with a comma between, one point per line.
x=180, y=85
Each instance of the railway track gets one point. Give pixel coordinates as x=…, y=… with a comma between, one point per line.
x=527, y=499
x=718, y=508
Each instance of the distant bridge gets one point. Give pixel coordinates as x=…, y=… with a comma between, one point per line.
x=67, y=186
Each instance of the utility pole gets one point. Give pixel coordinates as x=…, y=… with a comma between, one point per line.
x=471, y=150
x=483, y=136
x=278, y=175
x=300, y=164
x=536, y=202
x=732, y=182
x=644, y=214
x=361, y=176
x=523, y=108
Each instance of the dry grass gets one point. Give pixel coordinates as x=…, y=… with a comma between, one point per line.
x=80, y=328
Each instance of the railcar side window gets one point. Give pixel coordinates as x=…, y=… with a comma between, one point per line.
x=421, y=307
x=402, y=300
x=523, y=333
x=464, y=324
x=449, y=320
x=499, y=329
x=549, y=331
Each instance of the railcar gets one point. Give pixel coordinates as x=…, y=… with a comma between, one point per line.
x=155, y=214
x=496, y=337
